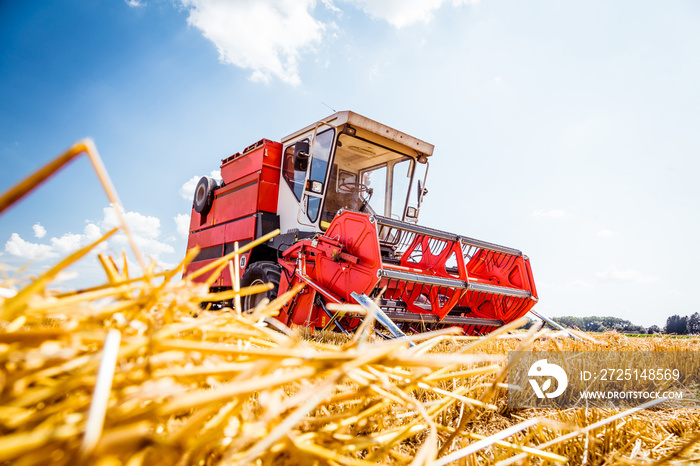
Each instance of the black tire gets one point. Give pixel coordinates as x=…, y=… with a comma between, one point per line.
x=204, y=194
x=256, y=274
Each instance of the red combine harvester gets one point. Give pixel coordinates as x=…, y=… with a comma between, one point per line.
x=346, y=193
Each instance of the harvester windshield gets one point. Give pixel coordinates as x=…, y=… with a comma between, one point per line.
x=367, y=177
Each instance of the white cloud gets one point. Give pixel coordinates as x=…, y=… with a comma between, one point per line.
x=139, y=224
x=604, y=233
x=187, y=189
x=611, y=274
x=401, y=13
x=331, y=6
x=135, y=3
x=39, y=231
x=58, y=247
x=67, y=243
x=554, y=213
x=268, y=37
x=265, y=36
x=92, y=232
x=145, y=230
x=149, y=247
x=18, y=247
x=182, y=222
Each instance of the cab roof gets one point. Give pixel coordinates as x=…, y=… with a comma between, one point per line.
x=370, y=128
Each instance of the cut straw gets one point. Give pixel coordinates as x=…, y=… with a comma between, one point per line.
x=100, y=396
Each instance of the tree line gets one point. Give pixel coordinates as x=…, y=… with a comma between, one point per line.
x=675, y=324
x=687, y=325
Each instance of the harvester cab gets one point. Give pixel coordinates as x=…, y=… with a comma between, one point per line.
x=346, y=193
x=349, y=162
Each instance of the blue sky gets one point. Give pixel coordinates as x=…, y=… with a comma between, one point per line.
x=565, y=129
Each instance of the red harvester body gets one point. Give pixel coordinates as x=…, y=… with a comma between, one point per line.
x=340, y=191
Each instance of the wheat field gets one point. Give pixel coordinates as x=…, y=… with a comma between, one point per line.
x=136, y=371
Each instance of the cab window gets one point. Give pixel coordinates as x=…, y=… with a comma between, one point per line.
x=321, y=152
x=295, y=179
x=367, y=177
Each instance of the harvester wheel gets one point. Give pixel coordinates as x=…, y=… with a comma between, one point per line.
x=204, y=194
x=260, y=273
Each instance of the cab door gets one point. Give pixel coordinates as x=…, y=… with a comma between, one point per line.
x=304, y=184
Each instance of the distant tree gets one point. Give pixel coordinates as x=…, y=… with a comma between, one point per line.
x=568, y=321
x=654, y=329
x=600, y=324
x=677, y=325
x=615, y=323
x=693, y=323
x=595, y=326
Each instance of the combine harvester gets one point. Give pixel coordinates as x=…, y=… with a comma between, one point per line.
x=346, y=192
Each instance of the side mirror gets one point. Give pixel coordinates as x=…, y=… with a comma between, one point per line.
x=421, y=192
x=301, y=155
